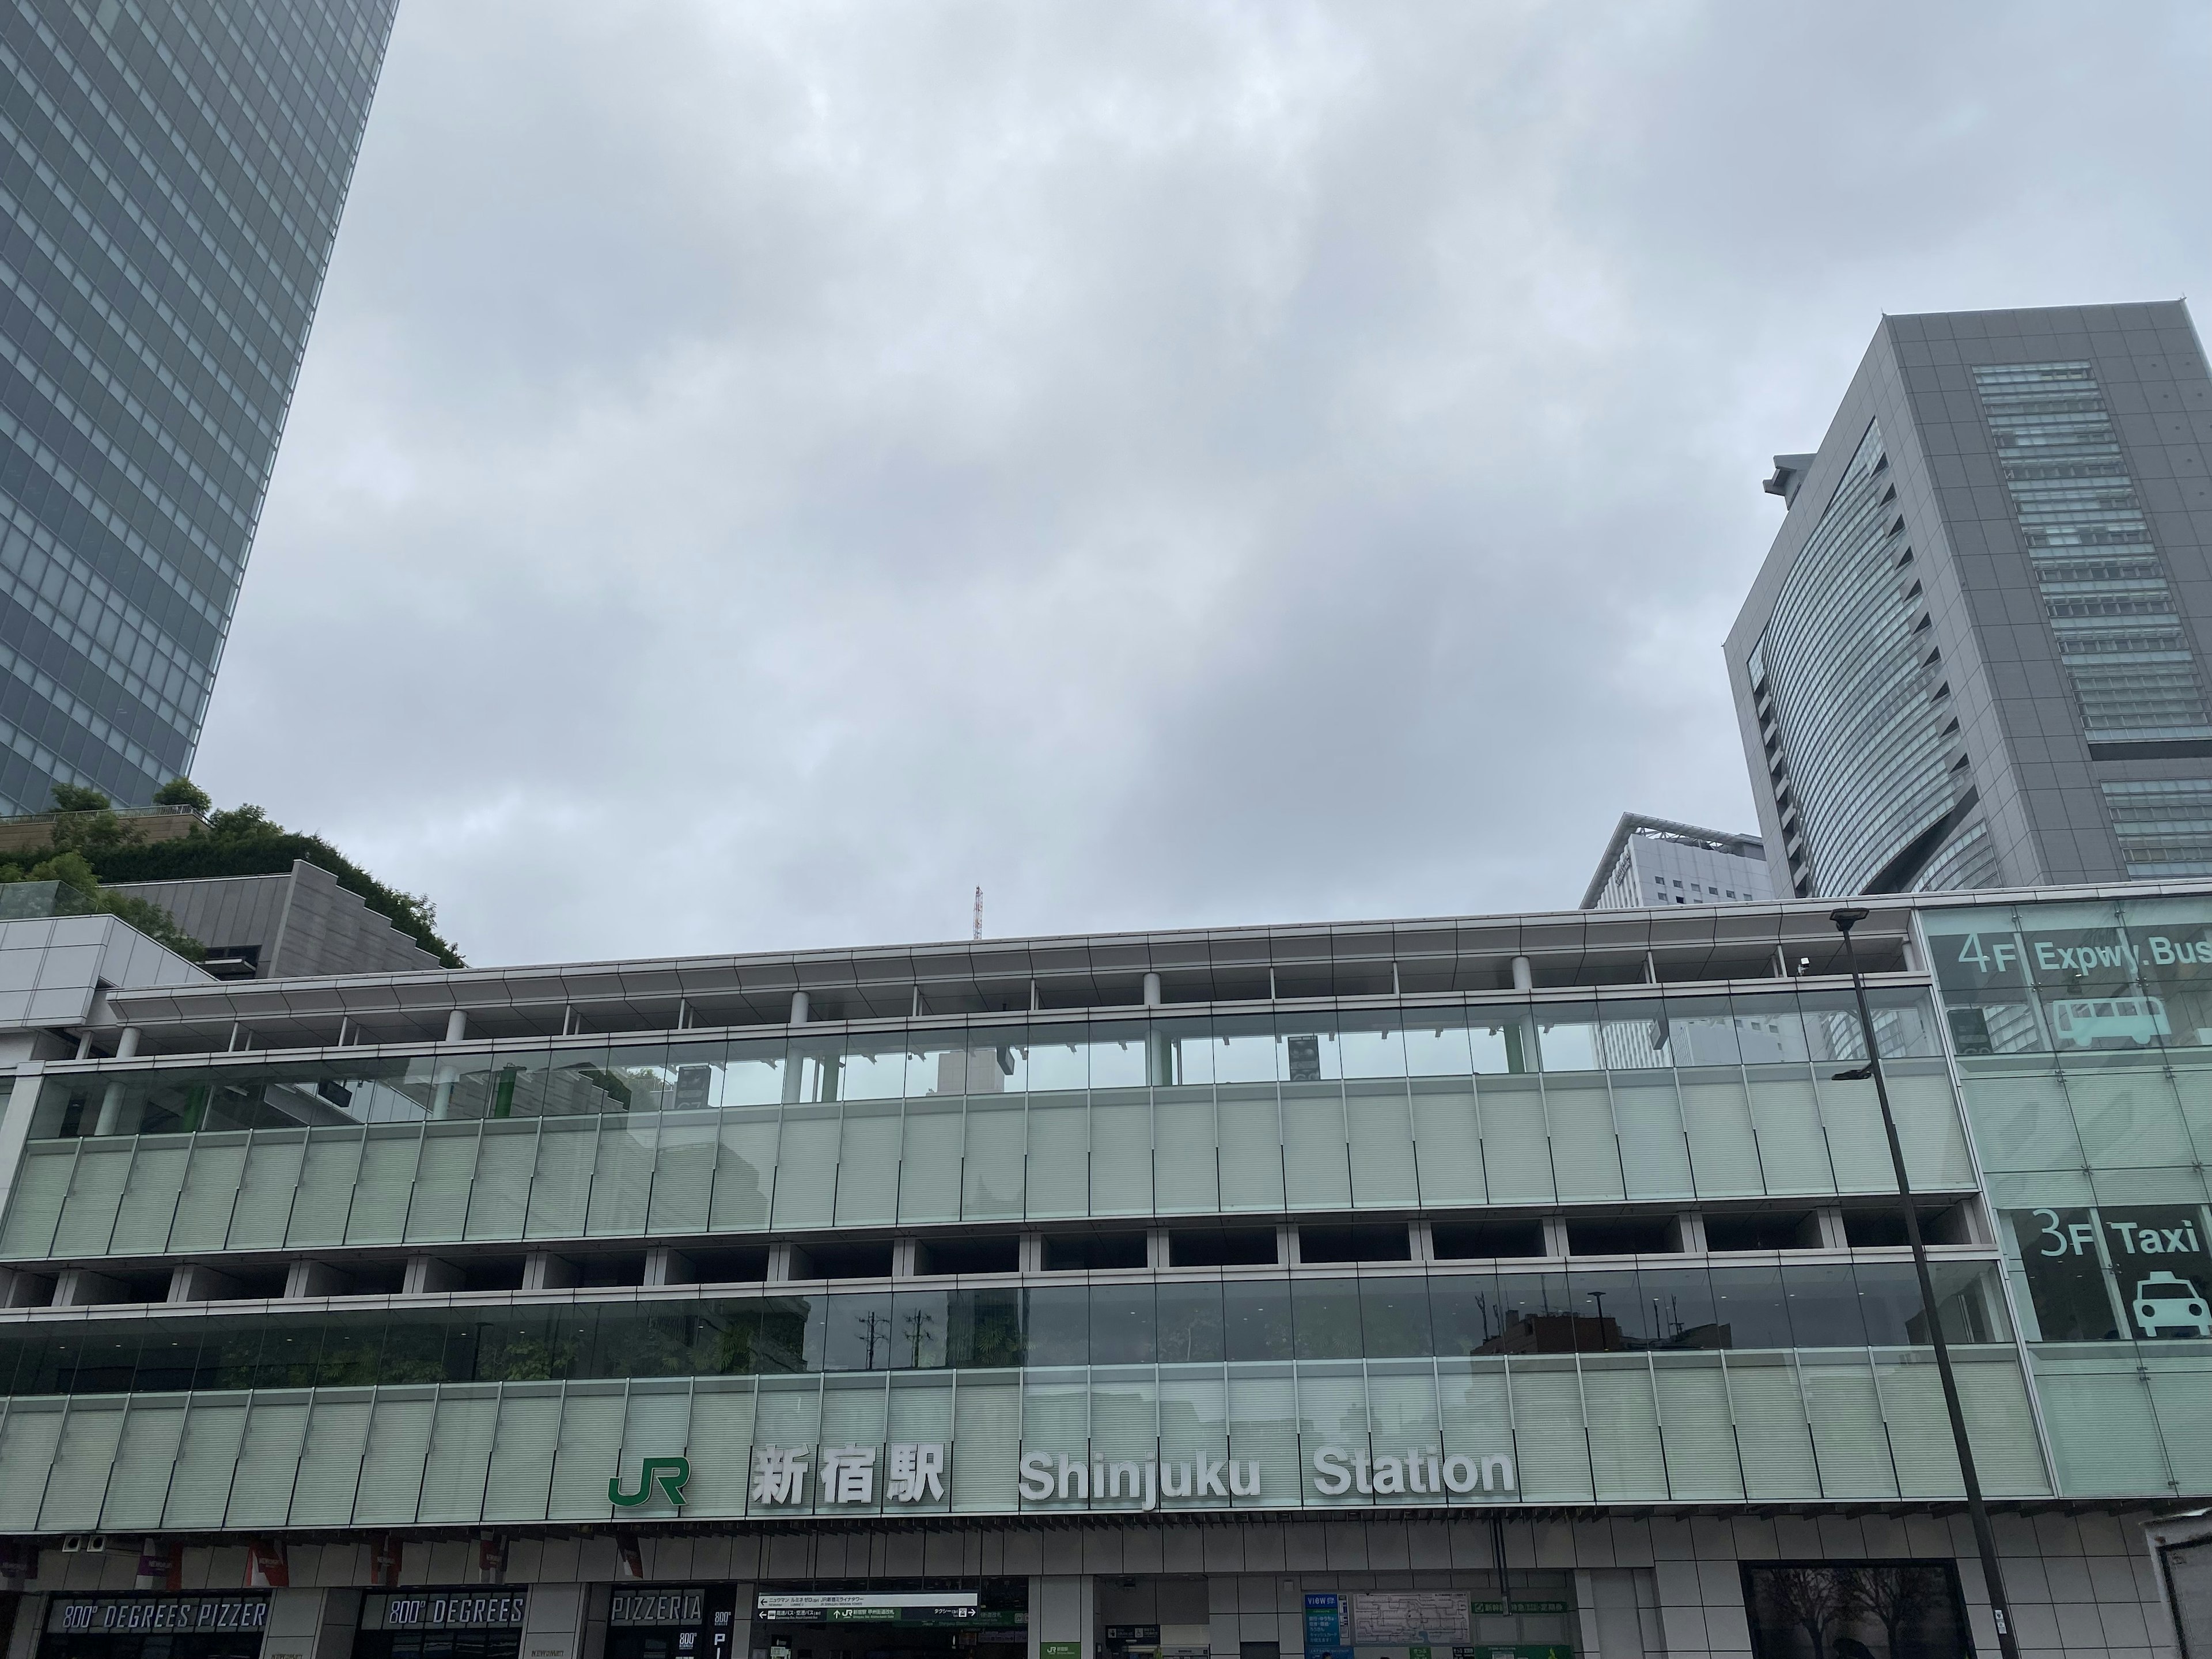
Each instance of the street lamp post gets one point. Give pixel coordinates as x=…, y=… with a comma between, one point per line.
x=2000, y=1608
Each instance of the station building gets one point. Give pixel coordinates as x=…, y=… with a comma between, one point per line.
x=1416, y=1289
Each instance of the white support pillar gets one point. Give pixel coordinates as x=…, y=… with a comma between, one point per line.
x=798, y=1008
x=126, y=1046
x=1151, y=990
x=456, y=1026
x=1524, y=974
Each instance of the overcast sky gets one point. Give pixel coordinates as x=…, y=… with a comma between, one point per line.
x=760, y=470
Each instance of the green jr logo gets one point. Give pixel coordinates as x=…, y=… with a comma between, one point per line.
x=669, y=1474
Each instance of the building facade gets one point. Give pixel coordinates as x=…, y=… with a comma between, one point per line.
x=1975, y=654
x=170, y=182
x=1654, y=861
x=301, y=924
x=1513, y=1285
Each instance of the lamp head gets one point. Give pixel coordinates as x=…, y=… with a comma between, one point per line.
x=1846, y=918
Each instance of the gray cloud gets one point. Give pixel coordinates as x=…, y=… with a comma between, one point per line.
x=762, y=471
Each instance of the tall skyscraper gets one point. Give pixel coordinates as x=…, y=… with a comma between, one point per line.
x=171, y=176
x=1975, y=654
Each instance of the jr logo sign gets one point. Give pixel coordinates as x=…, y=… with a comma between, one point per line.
x=669, y=1474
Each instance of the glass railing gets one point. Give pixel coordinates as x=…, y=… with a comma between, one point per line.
x=1015, y=1058
x=1401, y=1316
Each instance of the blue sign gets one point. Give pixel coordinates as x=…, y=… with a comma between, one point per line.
x=1325, y=1628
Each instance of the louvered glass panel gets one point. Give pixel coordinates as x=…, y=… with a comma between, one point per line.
x=2000, y=1426
x=1193, y=1411
x=82, y=1459
x=745, y=1168
x=928, y=1174
x=591, y=1438
x=499, y=1184
x=987, y=1419
x=788, y=1415
x=139, y=1489
x=1516, y=1155
x=214, y=1171
x=684, y=1172
x=621, y=1175
x=1447, y=1145
x=1585, y=1157
x=34, y=1207
x=327, y=1174
x=462, y=1434
x=268, y=1463
x=1120, y=1151
x=149, y=1198
x=2104, y=1435
x=1793, y=1151
x=1057, y=1175
x=1771, y=1435
x=439, y=1211
x=207, y=1459
x=1477, y=1419
x=1859, y=1151
x=1694, y=1430
x=1626, y=1459
x=1912, y=1399
x=1249, y=1122
x=1184, y=1178
x=1655, y=1150
x=1841, y=1404
x=1263, y=1429
x=384, y=1182
x=995, y=1128
x=95, y=1194
x=1723, y=1149
x=721, y=1438
x=330, y=1460
x=1402, y=1424
x=806, y=1167
x=561, y=1183
x=261, y=1213
x=521, y=1473
x=391, y=1468
x=918, y=1413
x=2181, y=1397
x=1124, y=1426
x=1547, y=1427
x=657, y=1423
x=1928, y=1125
x=28, y=1434
x=1316, y=1162
x=1379, y=1129
x=2021, y=1121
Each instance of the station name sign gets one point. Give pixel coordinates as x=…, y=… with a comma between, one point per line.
x=912, y=1472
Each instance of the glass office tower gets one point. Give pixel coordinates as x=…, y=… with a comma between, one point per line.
x=1472, y=1285
x=171, y=178
x=1975, y=654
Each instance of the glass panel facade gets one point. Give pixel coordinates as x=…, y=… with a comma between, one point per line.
x=1841, y=668
x=2103, y=585
x=1666, y=1308
x=174, y=178
x=607, y=1142
x=2082, y=1034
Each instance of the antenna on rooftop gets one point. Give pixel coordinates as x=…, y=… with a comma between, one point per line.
x=979, y=913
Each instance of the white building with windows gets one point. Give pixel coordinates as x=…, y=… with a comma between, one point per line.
x=1503, y=1285
x=1654, y=861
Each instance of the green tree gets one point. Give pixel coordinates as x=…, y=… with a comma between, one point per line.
x=182, y=792
x=70, y=868
x=76, y=798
